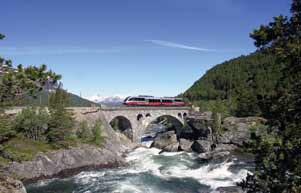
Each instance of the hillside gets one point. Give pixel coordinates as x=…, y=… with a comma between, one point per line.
x=75, y=101
x=237, y=86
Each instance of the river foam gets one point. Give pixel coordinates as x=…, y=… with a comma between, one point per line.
x=149, y=171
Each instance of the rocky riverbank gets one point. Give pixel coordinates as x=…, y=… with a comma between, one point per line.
x=10, y=185
x=59, y=163
x=200, y=136
x=67, y=162
x=64, y=163
x=197, y=136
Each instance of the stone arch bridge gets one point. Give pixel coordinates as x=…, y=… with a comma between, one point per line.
x=138, y=117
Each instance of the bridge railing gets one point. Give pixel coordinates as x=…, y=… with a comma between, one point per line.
x=144, y=108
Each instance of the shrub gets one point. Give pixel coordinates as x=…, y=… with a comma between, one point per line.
x=96, y=130
x=32, y=123
x=84, y=132
x=6, y=130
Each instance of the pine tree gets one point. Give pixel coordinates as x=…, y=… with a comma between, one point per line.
x=61, y=122
x=97, y=133
x=278, y=157
x=15, y=83
x=32, y=123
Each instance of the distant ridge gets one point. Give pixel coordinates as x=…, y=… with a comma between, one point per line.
x=42, y=100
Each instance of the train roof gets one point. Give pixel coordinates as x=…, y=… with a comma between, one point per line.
x=145, y=96
x=153, y=97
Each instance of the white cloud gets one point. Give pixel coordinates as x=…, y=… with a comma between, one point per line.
x=53, y=50
x=177, y=45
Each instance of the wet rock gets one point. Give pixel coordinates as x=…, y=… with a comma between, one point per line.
x=185, y=145
x=187, y=133
x=200, y=125
x=201, y=146
x=64, y=163
x=213, y=155
x=171, y=148
x=229, y=189
x=224, y=147
x=237, y=130
x=10, y=185
x=164, y=139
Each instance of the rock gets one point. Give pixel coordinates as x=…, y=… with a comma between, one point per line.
x=201, y=126
x=64, y=163
x=198, y=127
x=201, y=146
x=10, y=185
x=164, y=139
x=187, y=133
x=230, y=189
x=213, y=155
x=225, y=147
x=185, y=145
x=237, y=130
x=171, y=148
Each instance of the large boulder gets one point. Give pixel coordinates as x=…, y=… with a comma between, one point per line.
x=237, y=130
x=213, y=155
x=201, y=125
x=64, y=162
x=187, y=133
x=174, y=147
x=185, y=145
x=201, y=146
x=198, y=127
x=164, y=139
x=10, y=185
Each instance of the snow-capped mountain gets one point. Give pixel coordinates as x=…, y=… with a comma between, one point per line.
x=107, y=100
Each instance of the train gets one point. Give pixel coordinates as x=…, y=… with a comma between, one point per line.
x=145, y=100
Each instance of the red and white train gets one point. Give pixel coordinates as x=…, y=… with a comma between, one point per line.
x=144, y=100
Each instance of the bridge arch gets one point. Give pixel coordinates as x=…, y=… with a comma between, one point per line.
x=123, y=125
x=177, y=121
x=139, y=117
x=172, y=123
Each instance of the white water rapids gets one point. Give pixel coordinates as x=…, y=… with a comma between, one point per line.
x=151, y=172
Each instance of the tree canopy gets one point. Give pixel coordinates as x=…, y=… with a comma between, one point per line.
x=278, y=154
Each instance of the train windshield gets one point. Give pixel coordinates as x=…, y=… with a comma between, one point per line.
x=126, y=99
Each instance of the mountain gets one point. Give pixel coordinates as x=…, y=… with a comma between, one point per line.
x=42, y=99
x=237, y=86
x=116, y=100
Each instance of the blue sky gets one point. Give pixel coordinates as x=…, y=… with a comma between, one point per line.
x=129, y=47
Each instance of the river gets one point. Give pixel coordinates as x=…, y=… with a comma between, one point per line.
x=148, y=172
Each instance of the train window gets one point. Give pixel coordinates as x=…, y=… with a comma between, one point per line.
x=137, y=99
x=178, y=100
x=154, y=100
x=167, y=101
